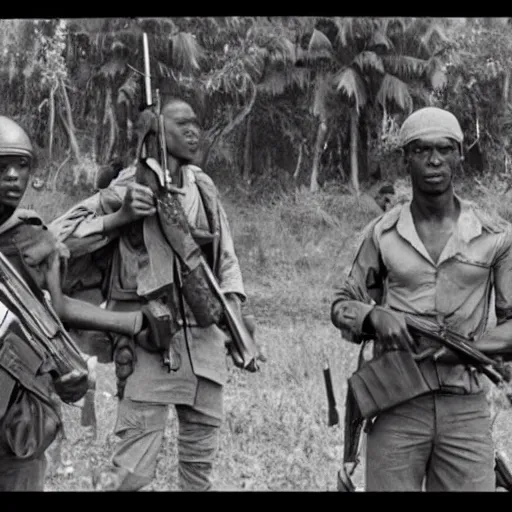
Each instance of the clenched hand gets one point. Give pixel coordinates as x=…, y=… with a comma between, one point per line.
x=138, y=202
x=390, y=329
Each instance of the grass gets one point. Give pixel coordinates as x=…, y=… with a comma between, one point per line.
x=275, y=436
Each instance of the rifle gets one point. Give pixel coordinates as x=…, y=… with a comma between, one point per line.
x=449, y=340
x=449, y=346
x=197, y=283
x=43, y=331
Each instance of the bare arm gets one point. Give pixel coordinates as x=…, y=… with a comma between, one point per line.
x=83, y=315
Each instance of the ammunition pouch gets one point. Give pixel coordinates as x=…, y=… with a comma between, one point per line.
x=159, y=335
x=386, y=381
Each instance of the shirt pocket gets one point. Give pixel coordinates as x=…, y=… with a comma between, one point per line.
x=474, y=261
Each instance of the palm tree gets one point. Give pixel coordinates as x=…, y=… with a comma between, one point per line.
x=380, y=62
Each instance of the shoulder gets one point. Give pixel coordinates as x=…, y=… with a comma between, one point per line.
x=32, y=238
x=383, y=222
x=199, y=175
x=202, y=180
x=490, y=219
x=125, y=176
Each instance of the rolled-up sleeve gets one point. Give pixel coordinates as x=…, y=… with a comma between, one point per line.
x=358, y=292
x=502, y=270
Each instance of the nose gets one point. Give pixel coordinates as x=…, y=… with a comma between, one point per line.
x=11, y=173
x=435, y=158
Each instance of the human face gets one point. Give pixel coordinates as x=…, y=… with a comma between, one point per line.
x=14, y=175
x=181, y=131
x=432, y=163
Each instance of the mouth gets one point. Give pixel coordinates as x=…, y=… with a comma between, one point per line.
x=193, y=145
x=434, y=178
x=13, y=194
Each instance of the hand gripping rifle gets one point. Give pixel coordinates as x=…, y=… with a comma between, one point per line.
x=448, y=346
x=197, y=283
x=41, y=327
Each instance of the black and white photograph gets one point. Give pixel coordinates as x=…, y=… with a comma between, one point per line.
x=256, y=254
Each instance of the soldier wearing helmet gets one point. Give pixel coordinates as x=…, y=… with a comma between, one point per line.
x=29, y=410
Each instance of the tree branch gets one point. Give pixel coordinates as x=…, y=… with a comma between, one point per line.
x=236, y=121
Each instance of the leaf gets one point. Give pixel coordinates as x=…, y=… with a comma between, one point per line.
x=319, y=45
x=186, y=51
x=349, y=82
x=381, y=40
x=277, y=82
x=369, y=60
x=405, y=66
x=434, y=36
x=392, y=88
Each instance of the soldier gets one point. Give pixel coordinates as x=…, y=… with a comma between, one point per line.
x=437, y=258
x=124, y=214
x=29, y=412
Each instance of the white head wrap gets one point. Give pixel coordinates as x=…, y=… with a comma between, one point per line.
x=430, y=123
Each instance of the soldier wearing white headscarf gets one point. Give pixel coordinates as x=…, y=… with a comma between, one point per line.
x=435, y=259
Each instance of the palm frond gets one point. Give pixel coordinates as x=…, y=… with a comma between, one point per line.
x=319, y=45
x=350, y=28
x=186, y=51
x=276, y=82
x=393, y=89
x=368, y=60
x=381, y=40
x=405, y=66
x=434, y=37
x=350, y=83
x=254, y=62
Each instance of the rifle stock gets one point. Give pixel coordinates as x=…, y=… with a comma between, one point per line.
x=245, y=352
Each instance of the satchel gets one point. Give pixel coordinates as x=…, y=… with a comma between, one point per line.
x=386, y=381
x=29, y=426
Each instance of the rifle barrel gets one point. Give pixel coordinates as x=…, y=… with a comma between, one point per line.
x=147, y=74
x=488, y=366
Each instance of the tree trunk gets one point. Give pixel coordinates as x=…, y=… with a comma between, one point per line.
x=51, y=123
x=246, y=175
x=299, y=162
x=70, y=126
x=320, y=139
x=506, y=87
x=218, y=133
x=354, y=134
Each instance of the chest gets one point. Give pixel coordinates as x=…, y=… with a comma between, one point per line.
x=435, y=236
